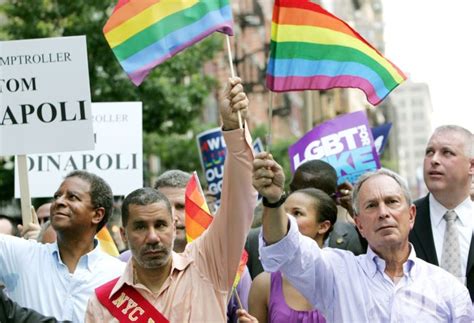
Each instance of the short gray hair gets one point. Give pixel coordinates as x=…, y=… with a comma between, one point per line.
x=466, y=134
x=380, y=172
x=172, y=178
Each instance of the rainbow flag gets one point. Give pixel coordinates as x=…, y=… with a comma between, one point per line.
x=145, y=33
x=240, y=270
x=311, y=49
x=106, y=242
x=197, y=215
x=198, y=218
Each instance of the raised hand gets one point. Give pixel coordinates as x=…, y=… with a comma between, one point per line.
x=268, y=177
x=235, y=100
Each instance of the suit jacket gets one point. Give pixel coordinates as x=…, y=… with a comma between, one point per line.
x=345, y=236
x=421, y=236
x=12, y=312
x=251, y=245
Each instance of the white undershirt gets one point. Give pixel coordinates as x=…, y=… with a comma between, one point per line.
x=464, y=223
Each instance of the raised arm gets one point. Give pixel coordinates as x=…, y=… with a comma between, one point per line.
x=283, y=247
x=268, y=180
x=221, y=246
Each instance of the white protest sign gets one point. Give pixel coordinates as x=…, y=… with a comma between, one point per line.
x=44, y=96
x=117, y=158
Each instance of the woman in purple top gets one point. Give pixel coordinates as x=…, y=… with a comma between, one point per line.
x=272, y=298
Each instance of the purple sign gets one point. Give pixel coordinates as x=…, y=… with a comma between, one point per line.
x=344, y=142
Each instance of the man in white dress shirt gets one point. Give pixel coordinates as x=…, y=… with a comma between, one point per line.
x=57, y=279
x=388, y=284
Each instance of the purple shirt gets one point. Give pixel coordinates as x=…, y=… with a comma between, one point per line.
x=278, y=309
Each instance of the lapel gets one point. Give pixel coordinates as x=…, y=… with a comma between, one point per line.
x=424, y=233
x=470, y=256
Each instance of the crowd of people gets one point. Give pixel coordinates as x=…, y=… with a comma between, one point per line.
x=324, y=252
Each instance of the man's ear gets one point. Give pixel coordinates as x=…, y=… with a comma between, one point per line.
x=123, y=234
x=412, y=214
x=98, y=215
x=359, y=225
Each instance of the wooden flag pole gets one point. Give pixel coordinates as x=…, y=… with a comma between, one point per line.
x=232, y=73
x=24, y=190
x=238, y=298
x=270, y=119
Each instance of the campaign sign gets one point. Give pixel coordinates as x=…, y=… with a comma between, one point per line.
x=117, y=157
x=45, y=100
x=212, y=146
x=213, y=150
x=257, y=145
x=344, y=142
x=380, y=135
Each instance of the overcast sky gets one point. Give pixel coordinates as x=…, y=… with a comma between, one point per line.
x=434, y=43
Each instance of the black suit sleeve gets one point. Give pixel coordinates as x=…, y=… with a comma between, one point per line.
x=12, y=312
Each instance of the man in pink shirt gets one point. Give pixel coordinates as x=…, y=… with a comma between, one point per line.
x=193, y=286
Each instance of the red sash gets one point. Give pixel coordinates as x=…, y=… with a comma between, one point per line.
x=127, y=305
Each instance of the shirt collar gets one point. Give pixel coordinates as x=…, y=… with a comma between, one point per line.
x=179, y=263
x=89, y=259
x=463, y=210
x=375, y=263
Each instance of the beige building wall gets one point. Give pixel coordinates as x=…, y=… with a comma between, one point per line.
x=412, y=113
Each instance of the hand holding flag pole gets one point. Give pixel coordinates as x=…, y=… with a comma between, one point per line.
x=232, y=73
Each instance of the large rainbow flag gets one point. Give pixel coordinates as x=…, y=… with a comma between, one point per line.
x=311, y=49
x=145, y=33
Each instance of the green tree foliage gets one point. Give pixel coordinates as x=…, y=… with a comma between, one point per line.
x=184, y=154
x=279, y=150
x=173, y=94
x=6, y=178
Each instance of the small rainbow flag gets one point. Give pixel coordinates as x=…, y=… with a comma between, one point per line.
x=197, y=215
x=145, y=33
x=198, y=218
x=240, y=270
x=106, y=242
x=311, y=49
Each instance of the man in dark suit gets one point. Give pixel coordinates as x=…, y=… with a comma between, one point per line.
x=12, y=312
x=448, y=168
x=321, y=175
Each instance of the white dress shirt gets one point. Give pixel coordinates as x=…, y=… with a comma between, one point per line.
x=464, y=224
x=348, y=288
x=36, y=277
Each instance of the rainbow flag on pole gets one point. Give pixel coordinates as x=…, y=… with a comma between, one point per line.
x=240, y=270
x=198, y=218
x=311, y=49
x=197, y=215
x=145, y=33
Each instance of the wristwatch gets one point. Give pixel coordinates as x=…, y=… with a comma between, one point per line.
x=276, y=204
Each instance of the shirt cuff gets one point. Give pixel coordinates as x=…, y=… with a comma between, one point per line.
x=274, y=256
x=238, y=140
